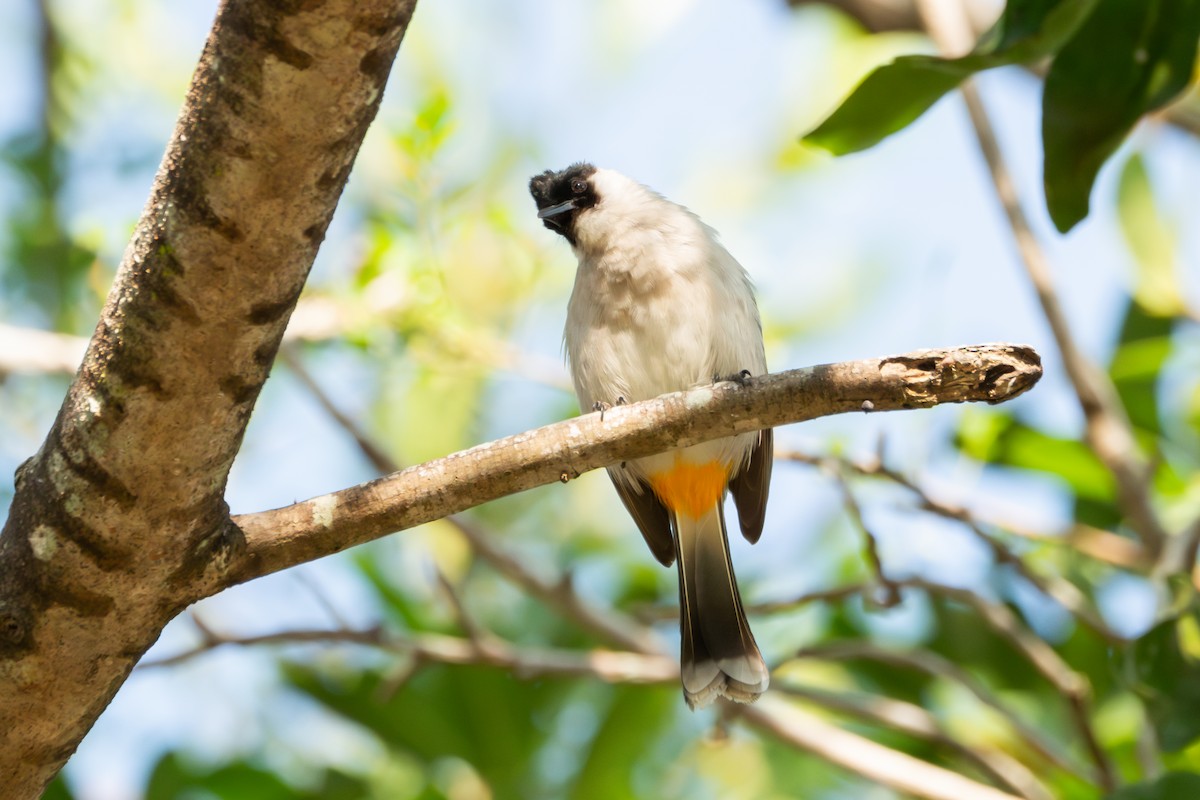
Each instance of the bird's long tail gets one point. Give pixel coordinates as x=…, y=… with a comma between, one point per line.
x=719, y=655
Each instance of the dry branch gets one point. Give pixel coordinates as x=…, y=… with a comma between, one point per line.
x=284, y=537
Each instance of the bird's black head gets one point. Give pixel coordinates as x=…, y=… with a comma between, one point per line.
x=560, y=196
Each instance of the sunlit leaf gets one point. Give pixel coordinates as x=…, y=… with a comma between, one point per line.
x=1006, y=441
x=1142, y=349
x=1151, y=241
x=631, y=726
x=888, y=100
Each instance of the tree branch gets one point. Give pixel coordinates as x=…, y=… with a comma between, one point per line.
x=330, y=523
x=523, y=661
x=935, y=665
x=863, y=756
x=1098, y=544
x=557, y=594
x=1107, y=428
x=916, y=721
x=119, y=520
x=795, y=727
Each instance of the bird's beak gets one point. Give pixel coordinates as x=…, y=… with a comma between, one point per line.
x=554, y=211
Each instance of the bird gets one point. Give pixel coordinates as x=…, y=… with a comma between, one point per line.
x=659, y=305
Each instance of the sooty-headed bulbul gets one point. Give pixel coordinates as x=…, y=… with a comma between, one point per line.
x=659, y=305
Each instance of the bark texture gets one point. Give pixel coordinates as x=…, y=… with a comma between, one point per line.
x=278, y=539
x=119, y=521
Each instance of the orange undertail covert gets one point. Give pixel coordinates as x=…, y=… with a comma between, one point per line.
x=691, y=489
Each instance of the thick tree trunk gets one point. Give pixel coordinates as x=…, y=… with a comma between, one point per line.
x=119, y=520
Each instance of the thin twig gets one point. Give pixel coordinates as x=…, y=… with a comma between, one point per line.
x=937, y=666
x=380, y=460
x=314, y=588
x=916, y=721
x=525, y=662
x=1108, y=431
x=874, y=761
x=900, y=771
x=1056, y=587
x=888, y=595
x=556, y=594
x=475, y=632
x=1073, y=687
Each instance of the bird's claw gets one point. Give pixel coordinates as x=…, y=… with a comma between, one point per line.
x=740, y=378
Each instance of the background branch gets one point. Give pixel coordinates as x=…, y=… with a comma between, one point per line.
x=1107, y=428
x=882, y=764
x=916, y=721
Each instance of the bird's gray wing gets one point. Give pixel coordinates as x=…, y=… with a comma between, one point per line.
x=751, y=486
x=651, y=516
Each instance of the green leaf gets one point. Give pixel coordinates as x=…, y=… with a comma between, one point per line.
x=57, y=790
x=996, y=438
x=1029, y=30
x=1129, y=57
x=632, y=726
x=895, y=95
x=174, y=779
x=1144, y=345
x=1165, y=667
x=1151, y=241
x=890, y=98
x=1002, y=440
x=482, y=715
x=1172, y=786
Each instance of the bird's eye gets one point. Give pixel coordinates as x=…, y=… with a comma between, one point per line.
x=578, y=186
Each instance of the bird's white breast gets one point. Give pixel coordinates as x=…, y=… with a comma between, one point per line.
x=658, y=304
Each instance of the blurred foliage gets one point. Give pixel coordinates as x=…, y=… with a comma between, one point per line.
x=1111, y=62
x=433, y=294
x=42, y=261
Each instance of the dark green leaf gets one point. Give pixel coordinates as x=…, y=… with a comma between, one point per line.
x=1165, y=667
x=57, y=790
x=895, y=95
x=174, y=779
x=479, y=714
x=1032, y=29
x=1129, y=57
x=888, y=100
x=1172, y=786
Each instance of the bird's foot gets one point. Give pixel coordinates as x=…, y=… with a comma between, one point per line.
x=740, y=378
x=602, y=406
